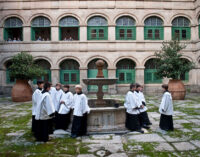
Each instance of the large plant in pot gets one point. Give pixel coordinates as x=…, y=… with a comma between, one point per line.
x=23, y=69
x=171, y=64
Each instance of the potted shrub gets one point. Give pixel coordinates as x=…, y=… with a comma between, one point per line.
x=23, y=69
x=170, y=64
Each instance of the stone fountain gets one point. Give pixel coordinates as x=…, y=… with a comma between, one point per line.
x=107, y=115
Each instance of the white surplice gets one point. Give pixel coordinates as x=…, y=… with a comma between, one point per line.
x=45, y=107
x=131, y=103
x=36, y=98
x=80, y=105
x=166, y=106
x=68, y=100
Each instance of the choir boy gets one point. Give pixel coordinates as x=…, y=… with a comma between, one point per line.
x=64, y=113
x=45, y=110
x=132, y=110
x=36, y=98
x=143, y=116
x=81, y=109
x=166, y=110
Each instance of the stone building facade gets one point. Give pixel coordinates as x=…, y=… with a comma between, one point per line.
x=66, y=37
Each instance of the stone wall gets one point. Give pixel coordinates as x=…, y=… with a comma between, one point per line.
x=111, y=50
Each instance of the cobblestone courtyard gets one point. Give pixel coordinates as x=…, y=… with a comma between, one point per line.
x=16, y=139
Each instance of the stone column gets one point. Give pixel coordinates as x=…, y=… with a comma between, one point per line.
x=140, y=33
x=83, y=33
x=167, y=32
x=139, y=74
x=2, y=77
x=26, y=33
x=55, y=76
x=195, y=32
x=54, y=33
x=111, y=33
x=1, y=34
x=83, y=75
x=112, y=89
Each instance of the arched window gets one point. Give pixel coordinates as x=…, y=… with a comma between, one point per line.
x=68, y=29
x=69, y=72
x=97, y=28
x=125, y=28
x=40, y=29
x=47, y=68
x=9, y=79
x=125, y=71
x=150, y=72
x=181, y=28
x=92, y=73
x=13, y=29
x=153, y=29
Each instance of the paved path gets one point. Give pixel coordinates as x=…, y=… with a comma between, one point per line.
x=16, y=138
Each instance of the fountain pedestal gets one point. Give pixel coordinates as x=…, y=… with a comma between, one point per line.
x=104, y=116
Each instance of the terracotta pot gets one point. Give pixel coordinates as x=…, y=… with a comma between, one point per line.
x=177, y=89
x=21, y=91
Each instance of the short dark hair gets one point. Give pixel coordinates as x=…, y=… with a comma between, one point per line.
x=138, y=85
x=165, y=86
x=132, y=85
x=66, y=86
x=46, y=85
x=40, y=82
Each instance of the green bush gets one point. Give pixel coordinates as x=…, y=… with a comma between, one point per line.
x=170, y=62
x=24, y=68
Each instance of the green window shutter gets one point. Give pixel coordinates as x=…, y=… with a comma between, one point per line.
x=129, y=32
x=150, y=76
x=5, y=32
x=32, y=34
x=187, y=76
x=153, y=33
x=97, y=33
x=125, y=76
x=183, y=33
x=69, y=76
x=199, y=31
x=9, y=80
x=188, y=33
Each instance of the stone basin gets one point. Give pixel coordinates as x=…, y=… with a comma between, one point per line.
x=106, y=119
x=100, y=81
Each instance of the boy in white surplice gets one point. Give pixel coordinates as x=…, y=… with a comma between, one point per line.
x=36, y=98
x=132, y=110
x=64, y=112
x=166, y=110
x=44, y=112
x=81, y=109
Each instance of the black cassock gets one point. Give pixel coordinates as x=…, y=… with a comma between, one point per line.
x=42, y=130
x=79, y=125
x=63, y=121
x=132, y=122
x=166, y=122
x=144, y=119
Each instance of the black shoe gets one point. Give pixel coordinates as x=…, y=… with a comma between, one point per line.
x=146, y=127
x=74, y=136
x=141, y=131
